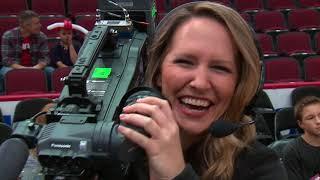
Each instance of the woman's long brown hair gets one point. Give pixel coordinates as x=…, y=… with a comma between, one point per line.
x=216, y=156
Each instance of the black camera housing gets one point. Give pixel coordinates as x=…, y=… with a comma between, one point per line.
x=81, y=136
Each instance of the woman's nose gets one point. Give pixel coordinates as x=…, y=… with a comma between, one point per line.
x=200, y=79
x=318, y=119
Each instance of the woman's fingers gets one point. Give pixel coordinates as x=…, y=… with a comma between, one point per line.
x=141, y=121
x=163, y=146
x=162, y=103
x=156, y=108
x=134, y=136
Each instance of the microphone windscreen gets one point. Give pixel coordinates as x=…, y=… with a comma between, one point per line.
x=5, y=132
x=221, y=128
x=13, y=155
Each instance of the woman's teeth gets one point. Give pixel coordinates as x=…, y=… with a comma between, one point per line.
x=196, y=102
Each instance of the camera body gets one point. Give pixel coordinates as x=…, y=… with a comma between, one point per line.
x=81, y=136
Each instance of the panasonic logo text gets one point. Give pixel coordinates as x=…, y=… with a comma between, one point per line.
x=62, y=146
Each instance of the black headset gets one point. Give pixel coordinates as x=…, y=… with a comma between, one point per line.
x=248, y=109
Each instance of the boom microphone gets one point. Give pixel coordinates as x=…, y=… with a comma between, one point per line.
x=5, y=132
x=13, y=155
x=222, y=128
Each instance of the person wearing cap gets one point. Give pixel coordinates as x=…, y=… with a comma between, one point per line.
x=25, y=46
x=65, y=52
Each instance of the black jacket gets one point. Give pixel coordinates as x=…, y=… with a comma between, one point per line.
x=256, y=162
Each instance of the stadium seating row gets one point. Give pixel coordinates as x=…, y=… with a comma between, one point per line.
x=282, y=44
x=77, y=7
x=295, y=20
x=262, y=21
x=56, y=7
x=283, y=5
x=27, y=81
x=249, y=5
x=82, y=7
x=289, y=69
x=32, y=81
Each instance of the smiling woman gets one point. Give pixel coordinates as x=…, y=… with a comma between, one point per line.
x=204, y=61
x=199, y=80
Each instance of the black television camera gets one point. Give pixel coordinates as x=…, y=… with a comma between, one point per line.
x=81, y=137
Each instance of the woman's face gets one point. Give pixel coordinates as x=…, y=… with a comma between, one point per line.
x=199, y=74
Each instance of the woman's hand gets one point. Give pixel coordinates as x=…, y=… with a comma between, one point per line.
x=162, y=146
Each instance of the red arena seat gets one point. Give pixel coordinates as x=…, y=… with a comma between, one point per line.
x=304, y=19
x=274, y=70
x=282, y=5
x=25, y=81
x=86, y=21
x=248, y=5
x=295, y=44
x=312, y=68
x=82, y=7
x=269, y=21
x=57, y=74
x=56, y=7
x=266, y=44
x=309, y=3
x=12, y=7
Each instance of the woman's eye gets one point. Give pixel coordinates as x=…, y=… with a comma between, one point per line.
x=221, y=68
x=183, y=62
x=309, y=117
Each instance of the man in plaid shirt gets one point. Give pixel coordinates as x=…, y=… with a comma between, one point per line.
x=25, y=46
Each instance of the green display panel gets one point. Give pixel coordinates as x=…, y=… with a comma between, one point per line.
x=101, y=73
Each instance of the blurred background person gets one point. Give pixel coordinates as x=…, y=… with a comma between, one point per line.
x=25, y=47
x=302, y=155
x=65, y=52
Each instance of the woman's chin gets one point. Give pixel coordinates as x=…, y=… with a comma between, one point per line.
x=192, y=130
